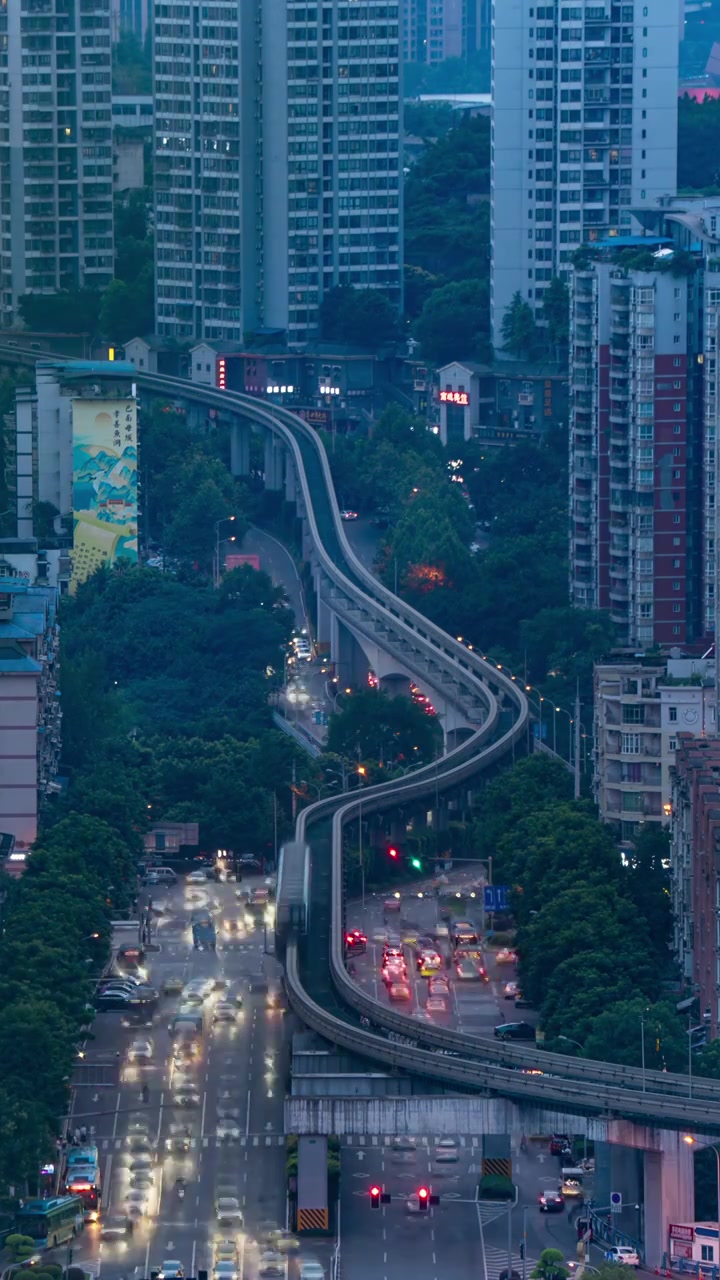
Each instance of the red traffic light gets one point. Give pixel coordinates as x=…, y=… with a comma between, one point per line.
x=423, y=1193
x=392, y=852
x=375, y=1194
x=374, y=1191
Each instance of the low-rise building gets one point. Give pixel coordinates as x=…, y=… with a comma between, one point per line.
x=641, y=707
x=502, y=402
x=695, y=869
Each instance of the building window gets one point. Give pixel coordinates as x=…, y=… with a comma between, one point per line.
x=633, y=714
x=672, y=744
x=676, y=608
x=631, y=744
x=707, y=1252
x=672, y=715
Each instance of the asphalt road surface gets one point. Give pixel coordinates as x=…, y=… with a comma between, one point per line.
x=474, y=1006
x=237, y=1143
x=459, y=1237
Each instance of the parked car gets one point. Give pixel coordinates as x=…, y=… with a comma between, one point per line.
x=623, y=1254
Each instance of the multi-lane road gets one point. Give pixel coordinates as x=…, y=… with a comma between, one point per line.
x=459, y=1237
x=237, y=1144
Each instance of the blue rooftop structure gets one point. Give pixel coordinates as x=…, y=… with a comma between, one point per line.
x=87, y=368
x=633, y=242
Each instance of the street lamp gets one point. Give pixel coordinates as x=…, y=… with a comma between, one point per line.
x=216, y=558
x=569, y=1040
x=361, y=774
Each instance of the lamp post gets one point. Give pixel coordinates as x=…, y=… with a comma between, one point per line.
x=569, y=1040
x=361, y=774
x=216, y=558
x=642, y=1048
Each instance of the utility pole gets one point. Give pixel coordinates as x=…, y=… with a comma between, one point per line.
x=577, y=741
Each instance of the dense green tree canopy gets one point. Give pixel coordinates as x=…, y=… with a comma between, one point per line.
x=374, y=727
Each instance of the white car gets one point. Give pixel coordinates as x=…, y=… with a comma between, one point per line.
x=140, y=1051
x=272, y=1264
x=225, y=1271
x=136, y=1203
x=171, y=1269
x=623, y=1254
x=226, y=1251
x=228, y=1212
x=227, y=1129
x=196, y=877
x=446, y=1151
x=311, y=1270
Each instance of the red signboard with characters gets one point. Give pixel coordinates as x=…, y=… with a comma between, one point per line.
x=681, y=1232
x=454, y=397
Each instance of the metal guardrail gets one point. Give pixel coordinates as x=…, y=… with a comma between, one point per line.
x=450, y=1056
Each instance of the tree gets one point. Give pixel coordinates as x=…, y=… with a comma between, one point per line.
x=127, y=310
x=365, y=317
x=373, y=726
x=70, y=311
x=618, y=1034
x=698, y=143
x=454, y=323
x=519, y=330
x=556, y=314
x=550, y=1266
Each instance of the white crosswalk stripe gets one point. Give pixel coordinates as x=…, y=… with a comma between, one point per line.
x=496, y=1261
x=270, y=1140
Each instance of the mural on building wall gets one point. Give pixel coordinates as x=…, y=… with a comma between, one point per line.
x=104, y=484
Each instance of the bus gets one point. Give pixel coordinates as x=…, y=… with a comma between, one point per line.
x=50, y=1222
x=83, y=1182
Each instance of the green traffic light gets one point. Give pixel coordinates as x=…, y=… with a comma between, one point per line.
x=417, y=864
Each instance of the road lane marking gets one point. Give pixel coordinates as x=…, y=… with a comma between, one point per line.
x=117, y=1113
x=247, y=1115
x=202, y=1118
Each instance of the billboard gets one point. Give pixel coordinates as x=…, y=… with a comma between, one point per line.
x=105, y=516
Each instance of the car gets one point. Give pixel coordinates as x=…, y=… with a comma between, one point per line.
x=436, y=1004
x=142, y=1180
x=178, y=1139
x=506, y=956
x=171, y=1269
x=196, y=877
x=117, y=1227
x=400, y=991
x=137, y=1201
x=438, y=986
x=285, y=1242
x=220, y=984
x=394, y=973
x=347, y=515
x=225, y=1270
x=140, y=1162
x=227, y=1128
x=186, y=1098
x=228, y=1212
x=401, y=1143
x=392, y=952
x=238, y=999
x=226, y=1251
x=551, y=1201
x=623, y=1254
x=272, y=1264
x=430, y=960
x=140, y=1051
x=522, y=1002
x=510, y=990
x=138, y=1127
x=311, y=1270
x=559, y=1143
x=172, y=986
x=514, y=1031
x=391, y=904
x=468, y=971
x=446, y=1151
x=193, y=999
x=224, y=1012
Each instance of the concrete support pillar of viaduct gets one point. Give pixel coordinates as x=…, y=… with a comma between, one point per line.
x=273, y=463
x=290, y=478
x=668, y=1192
x=324, y=621
x=240, y=448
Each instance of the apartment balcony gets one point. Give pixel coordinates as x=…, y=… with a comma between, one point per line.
x=582, y=557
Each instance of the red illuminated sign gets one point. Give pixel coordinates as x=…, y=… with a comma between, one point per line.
x=221, y=374
x=454, y=397
x=679, y=1231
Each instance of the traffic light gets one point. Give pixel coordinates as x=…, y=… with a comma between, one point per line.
x=423, y=1199
x=375, y=1193
x=416, y=864
x=393, y=852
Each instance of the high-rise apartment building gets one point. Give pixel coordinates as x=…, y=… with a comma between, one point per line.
x=434, y=30
x=278, y=166
x=644, y=324
x=584, y=131
x=56, y=192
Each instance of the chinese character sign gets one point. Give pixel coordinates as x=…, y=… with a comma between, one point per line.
x=455, y=397
x=104, y=484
